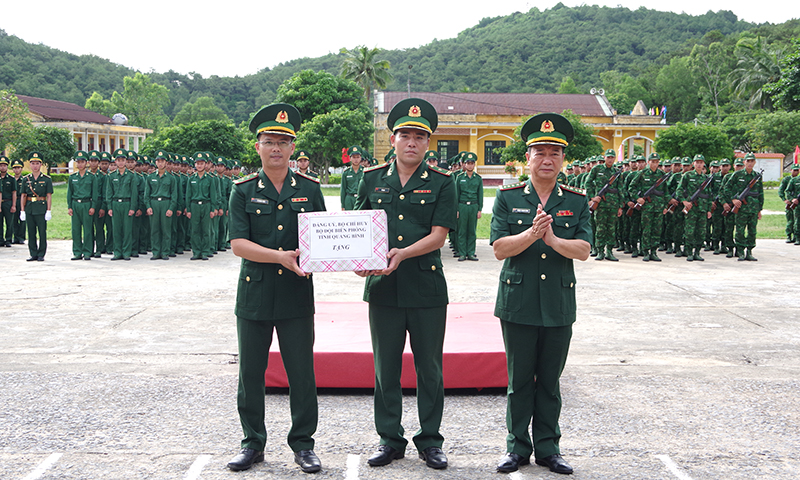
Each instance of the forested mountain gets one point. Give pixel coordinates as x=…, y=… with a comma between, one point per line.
x=522, y=52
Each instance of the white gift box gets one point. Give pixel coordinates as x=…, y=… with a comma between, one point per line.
x=343, y=241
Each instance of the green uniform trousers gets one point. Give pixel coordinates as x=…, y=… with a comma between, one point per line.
x=746, y=223
x=7, y=221
x=606, y=221
x=201, y=229
x=535, y=358
x=425, y=327
x=695, y=227
x=727, y=236
x=109, y=229
x=98, y=232
x=652, y=221
x=296, y=340
x=161, y=228
x=36, y=225
x=467, y=226
x=82, y=229
x=123, y=229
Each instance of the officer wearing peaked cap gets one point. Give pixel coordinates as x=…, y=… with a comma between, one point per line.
x=273, y=292
x=303, y=161
x=538, y=228
x=37, y=198
x=351, y=177
x=8, y=209
x=410, y=294
x=83, y=201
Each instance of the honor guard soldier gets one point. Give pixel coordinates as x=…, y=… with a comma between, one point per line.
x=37, y=200
x=698, y=213
x=99, y=217
x=18, y=225
x=201, y=195
x=469, y=194
x=160, y=202
x=350, y=178
x=83, y=201
x=303, y=162
x=122, y=199
x=273, y=292
x=609, y=208
x=410, y=294
x=647, y=190
x=8, y=208
x=746, y=192
x=538, y=228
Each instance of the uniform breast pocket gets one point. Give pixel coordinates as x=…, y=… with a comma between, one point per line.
x=564, y=227
x=380, y=200
x=423, y=205
x=519, y=222
x=260, y=218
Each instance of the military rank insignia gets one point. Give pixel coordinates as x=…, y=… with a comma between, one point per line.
x=564, y=213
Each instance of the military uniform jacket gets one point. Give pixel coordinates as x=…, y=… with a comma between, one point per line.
x=643, y=181
x=101, y=189
x=781, y=188
x=36, y=190
x=426, y=200
x=163, y=187
x=123, y=187
x=85, y=189
x=202, y=189
x=597, y=179
x=350, y=180
x=690, y=182
x=8, y=185
x=738, y=182
x=537, y=287
x=470, y=190
x=792, y=188
x=259, y=214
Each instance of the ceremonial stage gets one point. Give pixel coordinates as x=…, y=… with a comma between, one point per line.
x=474, y=356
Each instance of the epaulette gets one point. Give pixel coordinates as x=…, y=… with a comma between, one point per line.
x=246, y=178
x=440, y=170
x=575, y=190
x=307, y=176
x=376, y=167
x=512, y=186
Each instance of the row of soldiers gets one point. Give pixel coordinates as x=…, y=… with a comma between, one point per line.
x=127, y=204
x=676, y=206
x=789, y=192
x=12, y=229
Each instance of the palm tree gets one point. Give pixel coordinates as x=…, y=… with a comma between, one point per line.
x=757, y=64
x=362, y=66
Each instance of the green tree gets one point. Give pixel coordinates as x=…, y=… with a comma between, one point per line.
x=688, y=140
x=362, y=66
x=777, y=132
x=623, y=91
x=215, y=136
x=55, y=144
x=203, y=108
x=757, y=64
x=712, y=64
x=584, y=143
x=14, y=118
x=675, y=87
x=785, y=92
x=568, y=86
x=314, y=93
x=142, y=101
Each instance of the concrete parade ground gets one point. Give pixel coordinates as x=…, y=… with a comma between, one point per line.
x=128, y=370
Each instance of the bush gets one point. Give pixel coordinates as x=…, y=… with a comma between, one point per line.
x=335, y=179
x=59, y=177
x=523, y=178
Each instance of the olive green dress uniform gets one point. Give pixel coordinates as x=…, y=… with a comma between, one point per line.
x=8, y=187
x=269, y=297
x=201, y=195
x=122, y=196
x=413, y=298
x=107, y=223
x=83, y=194
x=469, y=193
x=35, y=190
x=19, y=226
x=349, y=188
x=161, y=194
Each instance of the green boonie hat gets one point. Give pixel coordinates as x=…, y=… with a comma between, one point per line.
x=738, y=161
x=355, y=150
x=547, y=129
x=470, y=158
x=654, y=155
x=699, y=157
x=686, y=161
x=302, y=154
x=610, y=153
x=80, y=155
x=17, y=163
x=94, y=155
x=750, y=156
x=724, y=161
x=3, y=159
x=278, y=118
x=413, y=113
x=35, y=157
x=105, y=157
x=431, y=154
x=715, y=163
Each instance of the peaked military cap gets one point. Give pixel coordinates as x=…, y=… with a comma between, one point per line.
x=105, y=157
x=302, y=154
x=161, y=154
x=750, y=156
x=278, y=118
x=94, y=155
x=80, y=155
x=17, y=163
x=432, y=154
x=3, y=159
x=654, y=155
x=470, y=158
x=413, y=113
x=199, y=157
x=35, y=157
x=355, y=150
x=699, y=157
x=547, y=129
x=120, y=152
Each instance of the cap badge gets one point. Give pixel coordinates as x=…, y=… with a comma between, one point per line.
x=414, y=111
x=547, y=127
x=282, y=117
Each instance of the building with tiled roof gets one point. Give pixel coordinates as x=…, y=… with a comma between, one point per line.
x=484, y=122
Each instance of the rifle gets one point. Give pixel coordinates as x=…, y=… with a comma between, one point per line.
x=791, y=205
x=648, y=194
x=742, y=197
x=696, y=195
x=671, y=206
x=602, y=193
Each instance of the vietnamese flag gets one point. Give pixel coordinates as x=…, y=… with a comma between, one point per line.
x=345, y=157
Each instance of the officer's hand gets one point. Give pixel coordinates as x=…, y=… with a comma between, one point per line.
x=737, y=203
x=91, y=212
x=169, y=213
x=13, y=209
x=457, y=215
x=131, y=213
x=289, y=260
x=479, y=214
x=211, y=215
x=110, y=213
x=48, y=215
x=138, y=213
x=69, y=212
x=101, y=213
x=149, y=211
x=395, y=256
x=189, y=215
x=22, y=216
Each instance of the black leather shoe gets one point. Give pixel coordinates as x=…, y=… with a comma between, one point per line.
x=384, y=456
x=555, y=463
x=511, y=463
x=79, y=257
x=40, y=259
x=308, y=461
x=114, y=259
x=246, y=458
x=31, y=259
x=434, y=457
x=87, y=258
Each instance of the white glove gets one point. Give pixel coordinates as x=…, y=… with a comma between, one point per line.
x=22, y=216
x=48, y=216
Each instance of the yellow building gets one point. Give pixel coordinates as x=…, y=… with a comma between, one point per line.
x=484, y=122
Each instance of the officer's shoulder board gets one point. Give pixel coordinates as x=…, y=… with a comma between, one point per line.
x=440, y=170
x=308, y=177
x=575, y=190
x=376, y=167
x=246, y=178
x=512, y=186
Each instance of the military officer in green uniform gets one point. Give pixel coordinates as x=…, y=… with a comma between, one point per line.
x=782, y=195
x=410, y=294
x=37, y=201
x=18, y=225
x=273, y=292
x=99, y=217
x=792, y=194
x=350, y=178
x=749, y=207
x=8, y=192
x=303, y=162
x=161, y=202
x=538, y=228
x=83, y=201
x=122, y=199
x=469, y=194
x=201, y=195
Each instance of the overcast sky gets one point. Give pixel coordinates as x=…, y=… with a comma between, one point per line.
x=236, y=37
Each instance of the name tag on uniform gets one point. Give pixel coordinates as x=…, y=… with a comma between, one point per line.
x=520, y=210
x=262, y=201
x=564, y=213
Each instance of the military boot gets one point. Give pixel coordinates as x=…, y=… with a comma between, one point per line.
x=646, y=256
x=730, y=252
x=797, y=242
x=697, y=256
x=635, y=252
x=610, y=255
x=629, y=248
x=653, y=256
x=789, y=239
x=717, y=249
x=709, y=247
x=741, y=253
x=599, y=251
x=593, y=252
x=689, y=257
x=670, y=249
x=749, y=256
x=678, y=251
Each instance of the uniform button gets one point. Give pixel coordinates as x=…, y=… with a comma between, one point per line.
x=566, y=225
x=571, y=284
x=544, y=277
x=544, y=255
x=422, y=202
x=402, y=197
x=508, y=281
x=400, y=217
x=280, y=207
x=380, y=200
x=280, y=227
x=258, y=212
x=303, y=210
x=280, y=271
x=280, y=249
x=247, y=278
x=519, y=222
x=433, y=267
x=400, y=238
